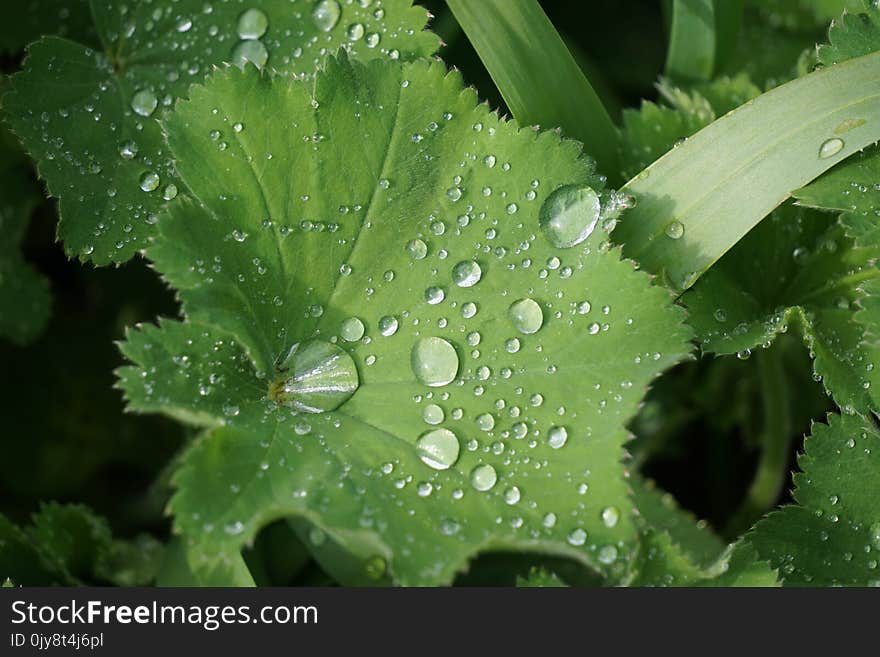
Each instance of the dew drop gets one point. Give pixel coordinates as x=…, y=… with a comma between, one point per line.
x=315, y=377
x=438, y=448
x=326, y=14
x=149, y=181
x=250, y=51
x=610, y=516
x=830, y=148
x=416, y=249
x=577, y=537
x=144, y=102
x=433, y=414
x=434, y=361
x=352, y=329
x=512, y=495
x=466, y=273
x=483, y=477
x=557, y=437
x=252, y=24
x=569, y=215
x=388, y=325
x=674, y=230
x=526, y=316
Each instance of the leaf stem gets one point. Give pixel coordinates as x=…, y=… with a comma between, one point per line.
x=771, y=473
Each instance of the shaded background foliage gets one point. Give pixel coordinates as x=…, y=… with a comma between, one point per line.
x=65, y=437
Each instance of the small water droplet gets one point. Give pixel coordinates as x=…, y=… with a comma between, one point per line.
x=388, y=325
x=557, y=437
x=352, y=329
x=434, y=361
x=326, y=14
x=526, y=316
x=674, y=230
x=610, y=516
x=438, y=448
x=416, y=249
x=144, y=102
x=433, y=414
x=252, y=24
x=466, y=273
x=483, y=477
x=830, y=148
x=252, y=51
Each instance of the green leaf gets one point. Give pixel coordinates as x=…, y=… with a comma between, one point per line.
x=818, y=279
x=69, y=544
x=660, y=511
x=832, y=536
x=540, y=578
x=701, y=198
x=88, y=117
x=400, y=178
x=542, y=87
x=692, y=40
x=24, y=293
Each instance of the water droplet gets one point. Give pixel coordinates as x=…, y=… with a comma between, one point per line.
x=352, y=329
x=355, y=32
x=557, y=437
x=144, y=102
x=577, y=537
x=434, y=295
x=526, y=316
x=512, y=495
x=483, y=477
x=375, y=567
x=416, y=249
x=610, y=516
x=512, y=345
x=128, y=150
x=569, y=215
x=486, y=421
x=466, y=273
x=830, y=148
x=149, y=181
x=388, y=325
x=438, y=448
x=252, y=24
x=434, y=361
x=250, y=51
x=326, y=14
x=674, y=230
x=315, y=377
x=433, y=414
x=170, y=192
x=607, y=554
x=874, y=533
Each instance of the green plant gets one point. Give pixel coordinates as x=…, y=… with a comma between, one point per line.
x=404, y=340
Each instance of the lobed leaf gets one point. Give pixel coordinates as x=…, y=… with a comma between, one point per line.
x=832, y=536
x=89, y=116
x=406, y=240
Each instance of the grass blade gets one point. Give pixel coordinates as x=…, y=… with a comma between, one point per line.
x=691, y=54
x=699, y=199
x=536, y=74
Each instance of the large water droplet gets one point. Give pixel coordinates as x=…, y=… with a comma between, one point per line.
x=526, y=315
x=434, y=361
x=326, y=14
x=252, y=24
x=250, y=51
x=557, y=437
x=483, y=477
x=144, y=102
x=416, y=249
x=830, y=147
x=569, y=215
x=466, y=273
x=315, y=377
x=438, y=448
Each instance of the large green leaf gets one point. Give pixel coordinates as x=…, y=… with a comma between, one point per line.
x=832, y=537
x=89, y=117
x=406, y=247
